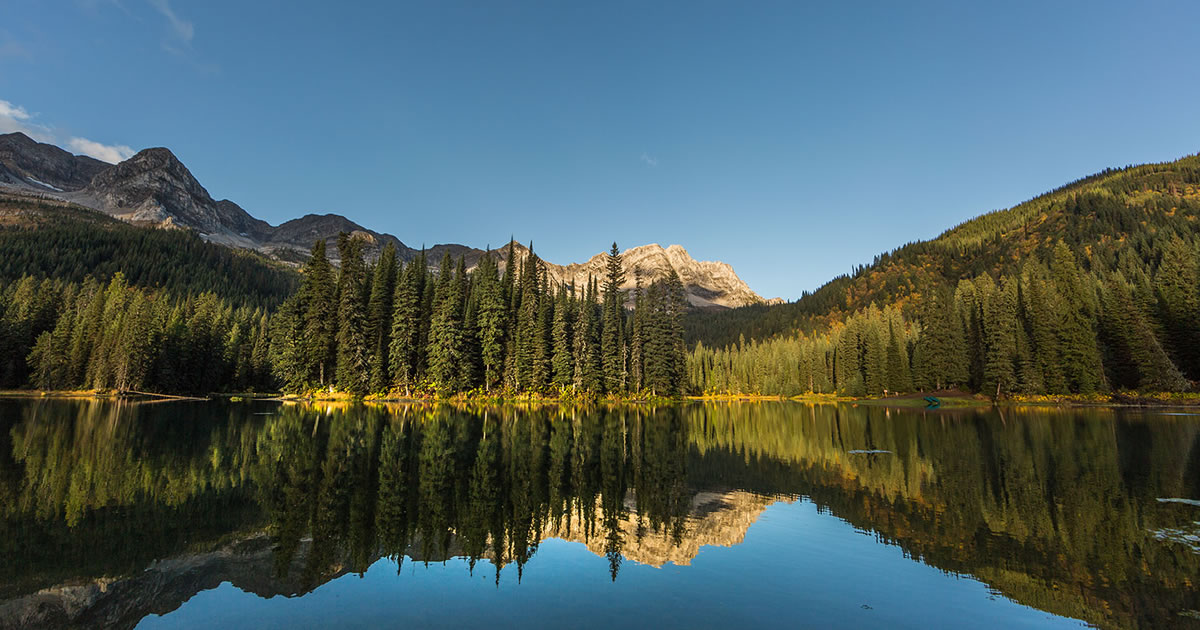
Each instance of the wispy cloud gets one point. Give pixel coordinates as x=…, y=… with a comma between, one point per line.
x=16, y=118
x=181, y=29
x=179, y=36
x=650, y=161
x=111, y=153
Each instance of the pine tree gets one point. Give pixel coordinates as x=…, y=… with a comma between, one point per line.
x=527, y=348
x=1076, y=327
x=1000, y=338
x=380, y=308
x=612, y=350
x=563, y=360
x=404, y=355
x=1177, y=285
x=446, y=330
x=353, y=364
x=319, y=296
x=492, y=319
x=637, y=337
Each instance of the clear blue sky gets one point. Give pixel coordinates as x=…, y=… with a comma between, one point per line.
x=792, y=141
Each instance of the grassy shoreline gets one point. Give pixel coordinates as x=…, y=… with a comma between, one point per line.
x=949, y=400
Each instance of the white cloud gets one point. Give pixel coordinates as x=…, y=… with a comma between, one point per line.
x=111, y=153
x=15, y=118
x=8, y=110
x=651, y=161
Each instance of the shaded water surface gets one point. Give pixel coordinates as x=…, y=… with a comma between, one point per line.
x=262, y=515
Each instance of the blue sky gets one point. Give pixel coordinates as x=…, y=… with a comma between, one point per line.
x=792, y=141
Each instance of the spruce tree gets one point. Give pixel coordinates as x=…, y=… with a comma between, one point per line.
x=612, y=336
x=405, y=351
x=1000, y=339
x=446, y=329
x=492, y=321
x=563, y=360
x=1076, y=326
x=319, y=296
x=353, y=364
x=380, y=309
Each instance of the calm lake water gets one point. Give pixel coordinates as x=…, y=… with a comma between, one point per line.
x=262, y=515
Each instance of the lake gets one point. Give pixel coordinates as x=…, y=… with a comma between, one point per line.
x=268, y=515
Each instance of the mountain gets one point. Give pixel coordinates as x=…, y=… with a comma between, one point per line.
x=27, y=163
x=154, y=188
x=708, y=284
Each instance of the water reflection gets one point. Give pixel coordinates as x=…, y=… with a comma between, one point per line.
x=1055, y=509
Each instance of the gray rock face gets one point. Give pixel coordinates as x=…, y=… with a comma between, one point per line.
x=154, y=188
x=26, y=163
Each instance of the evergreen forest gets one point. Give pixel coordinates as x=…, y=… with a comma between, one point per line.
x=1090, y=288
x=404, y=329
x=1093, y=287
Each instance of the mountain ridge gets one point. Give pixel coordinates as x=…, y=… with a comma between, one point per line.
x=154, y=188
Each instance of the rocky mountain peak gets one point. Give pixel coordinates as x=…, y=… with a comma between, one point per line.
x=27, y=163
x=707, y=284
x=154, y=187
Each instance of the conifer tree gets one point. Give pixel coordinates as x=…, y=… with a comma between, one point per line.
x=1076, y=326
x=1000, y=339
x=563, y=360
x=492, y=320
x=612, y=335
x=637, y=337
x=380, y=309
x=319, y=297
x=406, y=349
x=1177, y=285
x=446, y=330
x=353, y=365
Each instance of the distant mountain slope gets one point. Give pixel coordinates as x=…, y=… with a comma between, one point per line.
x=1104, y=218
x=48, y=238
x=153, y=188
x=708, y=284
x=27, y=163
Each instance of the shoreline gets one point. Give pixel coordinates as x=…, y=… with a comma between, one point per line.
x=955, y=400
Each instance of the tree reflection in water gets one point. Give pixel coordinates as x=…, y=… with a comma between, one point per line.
x=1054, y=508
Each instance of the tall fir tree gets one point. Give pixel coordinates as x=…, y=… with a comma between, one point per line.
x=353, y=360
x=380, y=309
x=319, y=297
x=612, y=331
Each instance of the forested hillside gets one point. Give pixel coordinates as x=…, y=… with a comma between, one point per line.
x=51, y=239
x=1092, y=287
x=87, y=301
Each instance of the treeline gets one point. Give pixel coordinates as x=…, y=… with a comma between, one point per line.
x=1112, y=215
x=56, y=334
x=1053, y=328
x=391, y=327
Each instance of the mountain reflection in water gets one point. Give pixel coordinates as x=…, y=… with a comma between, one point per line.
x=114, y=511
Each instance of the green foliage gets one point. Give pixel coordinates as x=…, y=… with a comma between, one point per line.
x=91, y=336
x=452, y=331
x=43, y=239
x=1018, y=300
